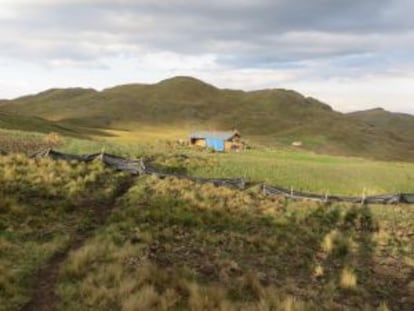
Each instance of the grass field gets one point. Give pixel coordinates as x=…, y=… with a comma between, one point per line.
x=311, y=172
x=81, y=237
x=289, y=168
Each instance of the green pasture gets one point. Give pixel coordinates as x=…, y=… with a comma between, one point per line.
x=313, y=172
x=289, y=168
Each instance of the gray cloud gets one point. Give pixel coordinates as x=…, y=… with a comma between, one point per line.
x=353, y=54
x=242, y=33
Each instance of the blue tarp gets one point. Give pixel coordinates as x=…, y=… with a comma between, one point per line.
x=215, y=143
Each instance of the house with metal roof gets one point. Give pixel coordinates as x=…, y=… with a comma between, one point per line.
x=216, y=140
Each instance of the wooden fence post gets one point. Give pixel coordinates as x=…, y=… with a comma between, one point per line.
x=363, y=196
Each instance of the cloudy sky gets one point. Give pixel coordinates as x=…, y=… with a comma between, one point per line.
x=352, y=54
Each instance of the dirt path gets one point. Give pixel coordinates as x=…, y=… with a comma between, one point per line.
x=44, y=297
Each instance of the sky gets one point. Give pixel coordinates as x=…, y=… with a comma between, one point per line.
x=351, y=54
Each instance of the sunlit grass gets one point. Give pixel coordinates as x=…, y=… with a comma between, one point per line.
x=145, y=134
x=292, y=169
x=348, y=278
x=310, y=172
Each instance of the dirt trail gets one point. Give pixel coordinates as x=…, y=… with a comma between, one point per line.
x=44, y=297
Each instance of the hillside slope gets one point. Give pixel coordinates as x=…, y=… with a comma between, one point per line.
x=399, y=123
x=274, y=116
x=30, y=123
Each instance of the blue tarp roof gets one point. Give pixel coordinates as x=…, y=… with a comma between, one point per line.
x=214, y=134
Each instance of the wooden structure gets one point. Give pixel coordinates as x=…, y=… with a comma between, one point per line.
x=219, y=141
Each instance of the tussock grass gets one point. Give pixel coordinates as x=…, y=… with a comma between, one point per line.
x=42, y=204
x=348, y=278
x=176, y=245
x=383, y=307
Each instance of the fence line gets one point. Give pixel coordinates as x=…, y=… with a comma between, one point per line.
x=143, y=167
x=399, y=198
x=137, y=167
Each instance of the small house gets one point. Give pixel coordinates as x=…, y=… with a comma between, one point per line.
x=218, y=141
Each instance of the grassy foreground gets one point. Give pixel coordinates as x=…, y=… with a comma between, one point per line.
x=175, y=245
x=43, y=205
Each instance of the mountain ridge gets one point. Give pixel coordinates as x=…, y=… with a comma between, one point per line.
x=269, y=116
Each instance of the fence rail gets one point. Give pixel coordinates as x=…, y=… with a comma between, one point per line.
x=399, y=198
x=143, y=167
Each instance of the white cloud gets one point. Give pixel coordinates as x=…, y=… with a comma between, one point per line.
x=391, y=93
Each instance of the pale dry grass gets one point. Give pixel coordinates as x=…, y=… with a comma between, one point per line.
x=348, y=278
x=383, y=307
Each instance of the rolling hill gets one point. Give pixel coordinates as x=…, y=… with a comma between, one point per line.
x=31, y=123
x=399, y=123
x=272, y=116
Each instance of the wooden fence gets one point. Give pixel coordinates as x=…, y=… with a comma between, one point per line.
x=144, y=167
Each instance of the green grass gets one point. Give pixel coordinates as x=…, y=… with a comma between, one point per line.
x=30, y=142
x=175, y=245
x=30, y=123
x=284, y=167
x=42, y=206
x=311, y=172
x=399, y=123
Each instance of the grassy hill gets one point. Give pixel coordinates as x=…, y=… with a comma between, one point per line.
x=32, y=123
x=273, y=116
x=399, y=123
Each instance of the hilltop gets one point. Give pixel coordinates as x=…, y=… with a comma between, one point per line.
x=399, y=123
x=271, y=116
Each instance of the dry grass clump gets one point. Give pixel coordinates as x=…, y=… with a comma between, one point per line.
x=348, y=278
x=329, y=240
x=210, y=197
x=53, y=139
x=49, y=178
x=339, y=244
x=383, y=307
x=318, y=272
